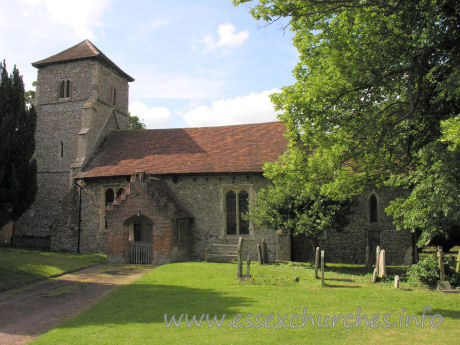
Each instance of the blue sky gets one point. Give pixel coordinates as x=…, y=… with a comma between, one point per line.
x=196, y=62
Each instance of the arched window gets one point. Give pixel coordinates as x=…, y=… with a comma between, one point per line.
x=373, y=216
x=109, y=197
x=230, y=209
x=243, y=207
x=236, y=205
x=120, y=192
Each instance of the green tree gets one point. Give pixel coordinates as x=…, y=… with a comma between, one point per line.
x=18, y=184
x=135, y=122
x=375, y=81
x=30, y=95
x=294, y=203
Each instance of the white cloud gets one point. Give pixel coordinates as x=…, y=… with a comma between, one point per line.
x=252, y=108
x=81, y=17
x=155, y=117
x=228, y=38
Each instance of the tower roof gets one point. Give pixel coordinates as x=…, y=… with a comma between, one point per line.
x=83, y=50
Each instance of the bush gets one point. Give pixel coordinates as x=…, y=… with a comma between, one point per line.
x=426, y=272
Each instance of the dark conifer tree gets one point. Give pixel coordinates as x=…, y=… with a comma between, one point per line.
x=18, y=167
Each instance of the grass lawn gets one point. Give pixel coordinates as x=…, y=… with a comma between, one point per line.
x=134, y=314
x=20, y=266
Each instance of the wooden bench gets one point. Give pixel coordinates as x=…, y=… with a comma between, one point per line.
x=227, y=251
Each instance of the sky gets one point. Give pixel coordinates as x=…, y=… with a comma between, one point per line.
x=195, y=62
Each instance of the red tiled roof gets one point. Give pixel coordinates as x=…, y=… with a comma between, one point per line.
x=81, y=51
x=227, y=149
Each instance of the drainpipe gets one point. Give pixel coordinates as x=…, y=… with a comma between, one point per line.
x=79, y=216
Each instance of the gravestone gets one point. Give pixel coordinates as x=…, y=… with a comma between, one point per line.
x=248, y=265
x=374, y=275
x=377, y=258
x=443, y=286
x=265, y=250
x=382, y=268
x=316, y=262
x=239, y=251
x=322, y=267
x=396, y=282
x=259, y=254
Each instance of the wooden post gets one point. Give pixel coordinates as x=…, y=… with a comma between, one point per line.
x=316, y=262
x=265, y=250
x=322, y=267
x=441, y=265
x=239, y=272
x=458, y=261
x=259, y=254
x=377, y=258
x=248, y=265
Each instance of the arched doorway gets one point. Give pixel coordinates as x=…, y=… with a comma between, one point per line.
x=140, y=240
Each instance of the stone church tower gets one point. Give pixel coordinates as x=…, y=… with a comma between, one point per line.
x=81, y=96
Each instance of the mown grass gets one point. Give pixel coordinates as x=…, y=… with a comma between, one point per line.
x=134, y=314
x=19, y=266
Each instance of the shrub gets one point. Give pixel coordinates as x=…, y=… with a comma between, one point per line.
x=426, y=272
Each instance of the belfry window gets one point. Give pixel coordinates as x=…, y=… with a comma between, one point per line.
x=373, y=214
x=109, y=197
x=64, y=89
x=236, y=205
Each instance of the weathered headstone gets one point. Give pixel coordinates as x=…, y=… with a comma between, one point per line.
x=265, y=250
x=248, y=265
x=442, y=276
x=377, y=258
x=396, y=282
x=259, y=254
x=374, y=275
x=322, y=267
x=444, y=286
x=239, y=251
x=316, y=262
x=382, y=268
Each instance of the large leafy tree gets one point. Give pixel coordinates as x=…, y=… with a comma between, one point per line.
x=17, y=163
x=375, y=82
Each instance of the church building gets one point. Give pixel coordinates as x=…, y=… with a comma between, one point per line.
x=167, y=195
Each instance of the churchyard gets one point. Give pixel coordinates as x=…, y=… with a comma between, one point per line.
x=273, y=306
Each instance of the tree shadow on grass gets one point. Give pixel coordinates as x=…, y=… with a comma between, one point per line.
x=148, y=303
x=341, y=286
x=340, y=280
x=451, y=314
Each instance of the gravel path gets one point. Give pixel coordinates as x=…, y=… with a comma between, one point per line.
x=27, y=312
